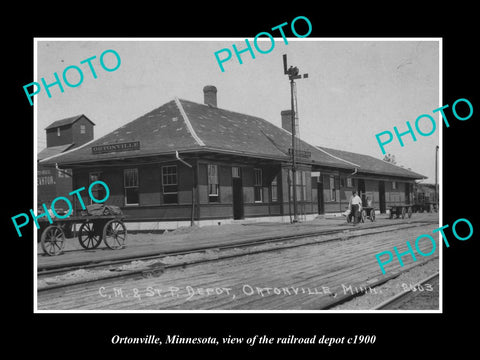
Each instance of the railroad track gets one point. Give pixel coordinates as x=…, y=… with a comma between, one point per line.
x=58, y=269
x=153, y=265
x=400, y=300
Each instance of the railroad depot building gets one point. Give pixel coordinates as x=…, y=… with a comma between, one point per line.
x=186, y=161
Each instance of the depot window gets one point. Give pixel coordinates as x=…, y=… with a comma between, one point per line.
x=257, y=185
x=303, y=185
x=394, y=185
x=169, y=184
x=213, y=183
x=333, y=193
x=274, y=189
x=235, y=172
x=130, y=181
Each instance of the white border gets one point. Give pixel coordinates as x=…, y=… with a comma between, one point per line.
x=34, y=181
x=440, y=177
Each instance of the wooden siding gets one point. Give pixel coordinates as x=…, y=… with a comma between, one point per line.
x=343, y=193
x=49, y=186
x=65, y=137
x=70, y=133
x=77, y=137
x=151, y=205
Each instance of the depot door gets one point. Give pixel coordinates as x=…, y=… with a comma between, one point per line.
x=237, y=193
x=407, y=193
x=321, y=205
x=381, y=197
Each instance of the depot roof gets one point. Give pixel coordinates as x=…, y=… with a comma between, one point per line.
x=369, y=164
x=185, y=126
x=53, y=150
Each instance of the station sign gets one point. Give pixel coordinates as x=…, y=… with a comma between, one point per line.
x=300, y=153
x=128, y=146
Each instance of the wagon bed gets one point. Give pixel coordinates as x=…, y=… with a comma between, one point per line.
x=93, y=229
x=400, y=211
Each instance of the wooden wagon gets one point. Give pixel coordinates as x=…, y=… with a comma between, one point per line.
x=400, y=211
x=424, y=207
x=93, y=229
x=367, y=212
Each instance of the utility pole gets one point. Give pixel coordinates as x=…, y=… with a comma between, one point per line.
x=294, y=165
x=293, y=73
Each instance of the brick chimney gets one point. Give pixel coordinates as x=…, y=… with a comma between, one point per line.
x=287, y=120
x=210, y=95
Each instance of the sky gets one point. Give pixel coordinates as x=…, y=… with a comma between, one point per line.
x=356, y=88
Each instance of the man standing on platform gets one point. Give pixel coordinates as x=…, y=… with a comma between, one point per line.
x=355, y=206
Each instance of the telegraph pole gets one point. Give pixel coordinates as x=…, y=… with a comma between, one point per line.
x=293, y=73
x=294, y=165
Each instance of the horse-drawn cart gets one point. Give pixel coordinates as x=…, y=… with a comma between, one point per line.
x=108, y=227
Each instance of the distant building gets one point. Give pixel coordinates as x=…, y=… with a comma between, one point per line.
x=62, y=135
x=187, y=161
x=427, y=195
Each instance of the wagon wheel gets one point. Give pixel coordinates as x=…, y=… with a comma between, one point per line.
x=372, y=215
x=53, y=240
x=114, y=234
x=403, y=213
x=363, y=215
x=409, y=211
x=87, y=237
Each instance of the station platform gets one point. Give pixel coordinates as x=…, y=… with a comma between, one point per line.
x=191, y=238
